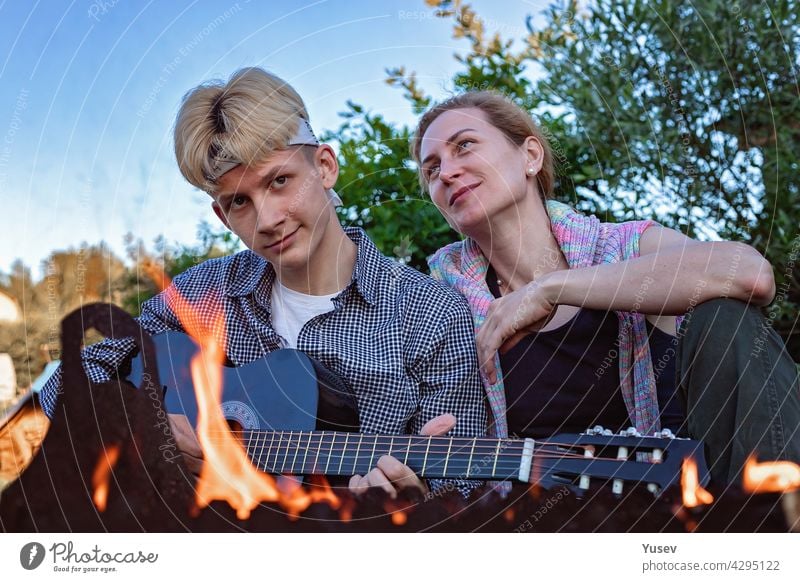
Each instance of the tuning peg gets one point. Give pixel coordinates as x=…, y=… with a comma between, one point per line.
x=666, y=434
x=657, y=455
x=616, y=486
x=588, y=453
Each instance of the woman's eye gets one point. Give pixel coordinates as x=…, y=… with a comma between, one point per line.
x=433, y=171
x=464, y=145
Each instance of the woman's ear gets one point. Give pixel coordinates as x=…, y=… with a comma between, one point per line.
x=534, y=154
x=328, y=165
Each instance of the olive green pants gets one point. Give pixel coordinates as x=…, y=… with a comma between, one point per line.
x=741, y=387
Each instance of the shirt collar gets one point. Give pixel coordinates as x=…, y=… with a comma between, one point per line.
x=254, y=272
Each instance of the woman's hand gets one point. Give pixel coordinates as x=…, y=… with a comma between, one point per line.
x=511, y=318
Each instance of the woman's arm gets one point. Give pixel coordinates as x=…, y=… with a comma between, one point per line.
x=672, y=273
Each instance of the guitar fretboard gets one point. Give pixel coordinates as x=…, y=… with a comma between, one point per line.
x=343, y=453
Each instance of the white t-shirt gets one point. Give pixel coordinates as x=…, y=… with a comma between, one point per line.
x=291, y=310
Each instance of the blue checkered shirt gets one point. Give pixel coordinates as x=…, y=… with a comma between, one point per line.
x=403, y=342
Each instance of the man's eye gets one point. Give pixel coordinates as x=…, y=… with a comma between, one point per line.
x=280, y=181
x=238, y=201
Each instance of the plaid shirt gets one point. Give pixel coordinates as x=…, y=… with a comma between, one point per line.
x=403, y=342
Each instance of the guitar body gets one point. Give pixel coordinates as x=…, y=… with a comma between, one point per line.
x=284, y=391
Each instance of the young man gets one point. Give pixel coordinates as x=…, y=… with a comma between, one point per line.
x=403, y=342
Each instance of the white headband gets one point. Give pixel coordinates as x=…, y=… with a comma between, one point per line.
x=304, y=136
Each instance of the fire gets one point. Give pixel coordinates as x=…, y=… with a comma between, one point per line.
x=399, y=517
x=693, y=493
x=227, y=473
x=102, y=473
x=770, y=477
x=297, y=500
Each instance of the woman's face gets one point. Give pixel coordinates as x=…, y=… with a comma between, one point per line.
x=474, y=173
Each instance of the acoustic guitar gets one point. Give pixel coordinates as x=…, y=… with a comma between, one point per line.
x=294, y=416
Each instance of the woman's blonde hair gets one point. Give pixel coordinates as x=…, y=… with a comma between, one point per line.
x=515, y=123
x=246, y=119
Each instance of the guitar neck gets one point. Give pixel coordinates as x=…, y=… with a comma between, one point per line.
x=343, y=453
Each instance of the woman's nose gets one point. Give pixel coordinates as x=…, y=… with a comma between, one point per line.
x=448, y=171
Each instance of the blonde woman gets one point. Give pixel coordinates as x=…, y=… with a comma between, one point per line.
x=581, y=322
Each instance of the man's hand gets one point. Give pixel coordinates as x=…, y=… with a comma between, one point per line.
x=390, y=474
x=186, y=440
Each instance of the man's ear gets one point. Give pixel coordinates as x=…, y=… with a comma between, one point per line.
x=220, y=214
x=328, y=165
x=534, y=153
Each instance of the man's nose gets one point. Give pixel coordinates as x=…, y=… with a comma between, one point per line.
x=271, y=215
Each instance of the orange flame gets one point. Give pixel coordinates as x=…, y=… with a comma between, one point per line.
x=102, y=473
x=297, y=499
x=693, y=493
x=399, y=517
x=770, y=477
x=227, y=473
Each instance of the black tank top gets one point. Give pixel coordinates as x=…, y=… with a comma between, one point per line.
x=567, y=379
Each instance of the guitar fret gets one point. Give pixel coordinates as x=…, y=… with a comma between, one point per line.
x=408, y=450
x=447, y=458
x=425, y=459
x=283, y=465
x=267, y=466
x=391, y=444
x=372, y=455
x=358, y=451
x=341, y=459
x=257, y=450
x=315, y=466
x=248, y=445
x=296, y=450
x=305, y=454
x=496, y=456
x=330, y=453
x=471, y=452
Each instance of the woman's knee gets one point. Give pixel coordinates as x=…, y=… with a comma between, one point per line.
x=729, y=315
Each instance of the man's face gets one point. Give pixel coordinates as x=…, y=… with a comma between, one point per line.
x=279, y=207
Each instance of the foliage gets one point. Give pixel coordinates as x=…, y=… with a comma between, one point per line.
x=683, y=111
x=142, y=282
x=381, y=190
x=691, y=110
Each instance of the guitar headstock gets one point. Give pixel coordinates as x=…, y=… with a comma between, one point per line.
x=575, y=459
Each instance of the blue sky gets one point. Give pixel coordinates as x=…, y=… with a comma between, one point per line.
x=89, y=91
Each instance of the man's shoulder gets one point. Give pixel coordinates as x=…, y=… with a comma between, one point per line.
x=225, y=274
x=420, y=292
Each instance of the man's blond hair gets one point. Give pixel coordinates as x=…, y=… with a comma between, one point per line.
x=252, y=115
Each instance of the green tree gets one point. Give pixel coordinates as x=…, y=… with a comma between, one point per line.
x=380, y=189
x=691, y=109
x=683, y=111
x=172, y=259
